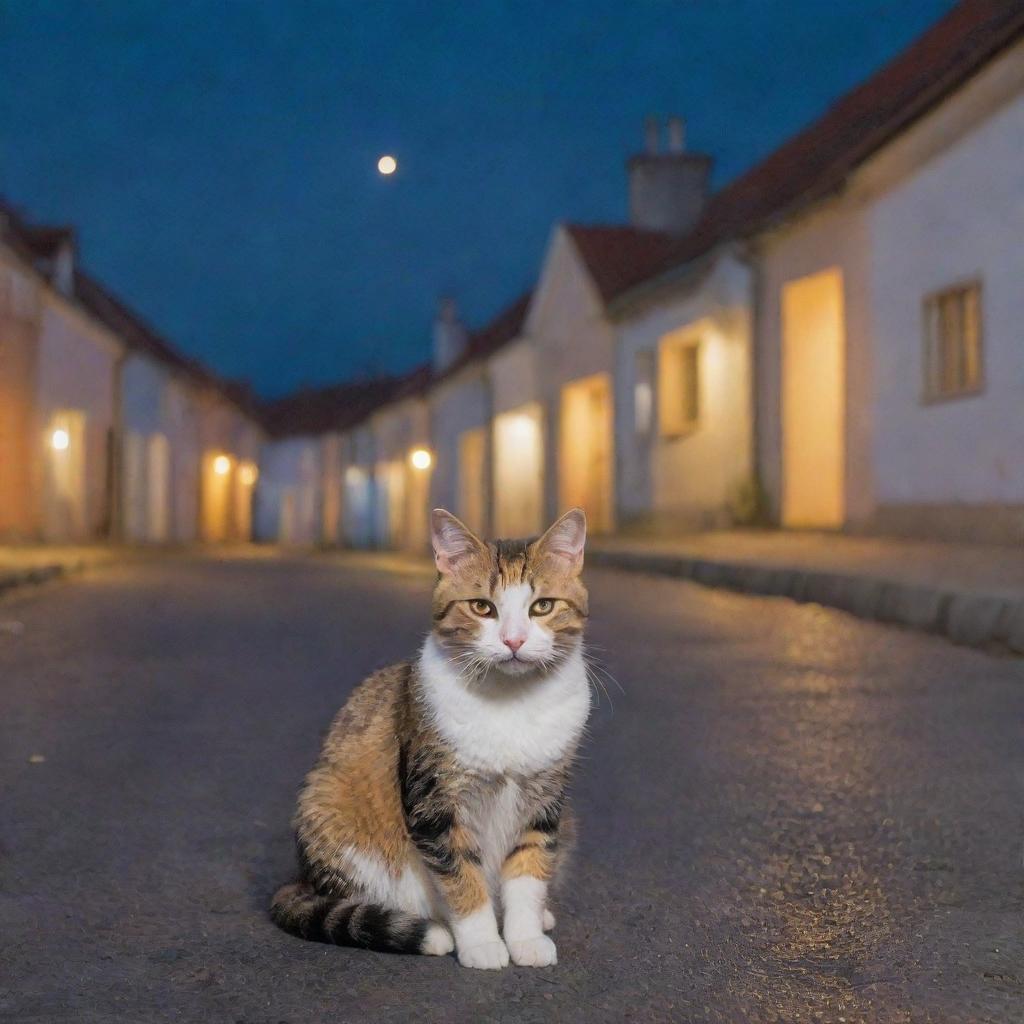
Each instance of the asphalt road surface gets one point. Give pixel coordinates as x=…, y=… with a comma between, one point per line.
x=789, y=815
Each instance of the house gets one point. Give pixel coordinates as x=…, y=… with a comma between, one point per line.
x=107, y=432
x=22, y=447
x=60, y=400
x=891, y=395
x=460, y=409
x=402, y=465
x=310, y=474
x=884, y=243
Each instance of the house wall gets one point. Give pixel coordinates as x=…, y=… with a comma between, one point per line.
x=19, y=427
x=519, y=430
x=834, y=236
x=572, y=339
x=181, y=416
x=457, y=404
x=359, y=498
x=960, y=217
x=226, y=502
x=290, y=492
x=401, y=492
x=160, y=411
x=942, y=203
x=667, y=484
x=77, y=372
x=332, y=498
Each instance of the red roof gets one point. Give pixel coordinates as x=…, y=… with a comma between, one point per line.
x=619, y=256
x=817, y=161
x=39, y=243
x=505, y=327
x=344, y=406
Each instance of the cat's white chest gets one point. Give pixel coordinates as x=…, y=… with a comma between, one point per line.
x=496, y=821
x=523, y=729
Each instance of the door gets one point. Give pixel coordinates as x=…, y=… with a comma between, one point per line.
x=585, y=450
x=813, y=402
x=158, y=496
x=64, y=517
x=472, y=482
x=518, y=472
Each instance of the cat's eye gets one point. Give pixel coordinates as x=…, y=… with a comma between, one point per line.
x=542, y=606
x=483, y=608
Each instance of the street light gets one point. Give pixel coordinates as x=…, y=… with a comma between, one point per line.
x=387, y=165
x=60, y=439
x=420, y=458
x=249, y=473
x=222, y=465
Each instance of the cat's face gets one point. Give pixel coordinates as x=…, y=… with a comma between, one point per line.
x=514, y=606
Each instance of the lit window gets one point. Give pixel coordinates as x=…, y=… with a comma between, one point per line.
x=643, y=392
x=952, y=333
x=678, y=385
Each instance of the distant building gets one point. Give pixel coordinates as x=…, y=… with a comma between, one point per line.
x=58, y=438
x=106, y=431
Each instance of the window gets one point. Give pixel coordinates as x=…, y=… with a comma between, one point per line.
x=678, y=385
x=952, y=338
x=643, y=392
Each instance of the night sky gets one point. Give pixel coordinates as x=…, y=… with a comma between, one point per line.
x=219, y=158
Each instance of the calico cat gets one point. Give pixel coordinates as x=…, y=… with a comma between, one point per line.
x=441, y=788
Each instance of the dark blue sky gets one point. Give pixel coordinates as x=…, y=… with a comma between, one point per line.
x=219, y=158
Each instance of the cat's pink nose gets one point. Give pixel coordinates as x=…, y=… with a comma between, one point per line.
x=513, y=643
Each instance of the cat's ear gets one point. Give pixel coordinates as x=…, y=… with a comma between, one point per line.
x=454, y=543
x=565, y=539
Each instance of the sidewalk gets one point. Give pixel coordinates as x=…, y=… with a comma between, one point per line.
x=21, y=565
x=972, y=593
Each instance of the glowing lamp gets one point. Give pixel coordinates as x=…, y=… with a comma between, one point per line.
x=222, y=465
x=420, y=458
x=250, y=474
x=387, y=165
x=60, y=439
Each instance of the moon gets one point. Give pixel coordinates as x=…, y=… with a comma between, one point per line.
x=387, y=165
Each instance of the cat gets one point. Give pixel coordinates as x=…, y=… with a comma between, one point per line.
x=441, y=788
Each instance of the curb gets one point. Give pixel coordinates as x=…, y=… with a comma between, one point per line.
x=13, y=579
x=973, y=620
x=27, y=577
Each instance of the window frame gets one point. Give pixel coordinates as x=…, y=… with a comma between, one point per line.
x=931, y=354
x=648, y=357
x=673, y=346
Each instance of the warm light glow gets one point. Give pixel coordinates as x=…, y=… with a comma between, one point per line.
x=60, y=439
x=387, y=165
x=222, y=465
x=250, y=474
x=420, y=458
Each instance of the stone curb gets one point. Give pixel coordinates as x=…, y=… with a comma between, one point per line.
x=12, y=579
x=974, y=620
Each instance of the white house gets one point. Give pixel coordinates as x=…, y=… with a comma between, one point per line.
x=684, y=397
x=403, y=462
x=60, y=405
x=460, y=400
x=891, y=386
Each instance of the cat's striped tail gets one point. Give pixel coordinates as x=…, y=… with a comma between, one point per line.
x=300, y=910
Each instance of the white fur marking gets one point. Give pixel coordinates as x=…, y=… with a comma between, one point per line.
x=411, y=891
x=438, y=941
x=523, y=899
x=477, y=941
x=506, y=724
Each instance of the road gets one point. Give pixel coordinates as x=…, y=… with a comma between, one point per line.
x=788, y=814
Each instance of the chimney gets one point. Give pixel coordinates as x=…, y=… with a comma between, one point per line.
x=667, y=191
x=449, y=335
x=64, y=267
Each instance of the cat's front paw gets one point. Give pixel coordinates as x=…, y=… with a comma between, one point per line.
x=538, y=951
x=487, y=956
